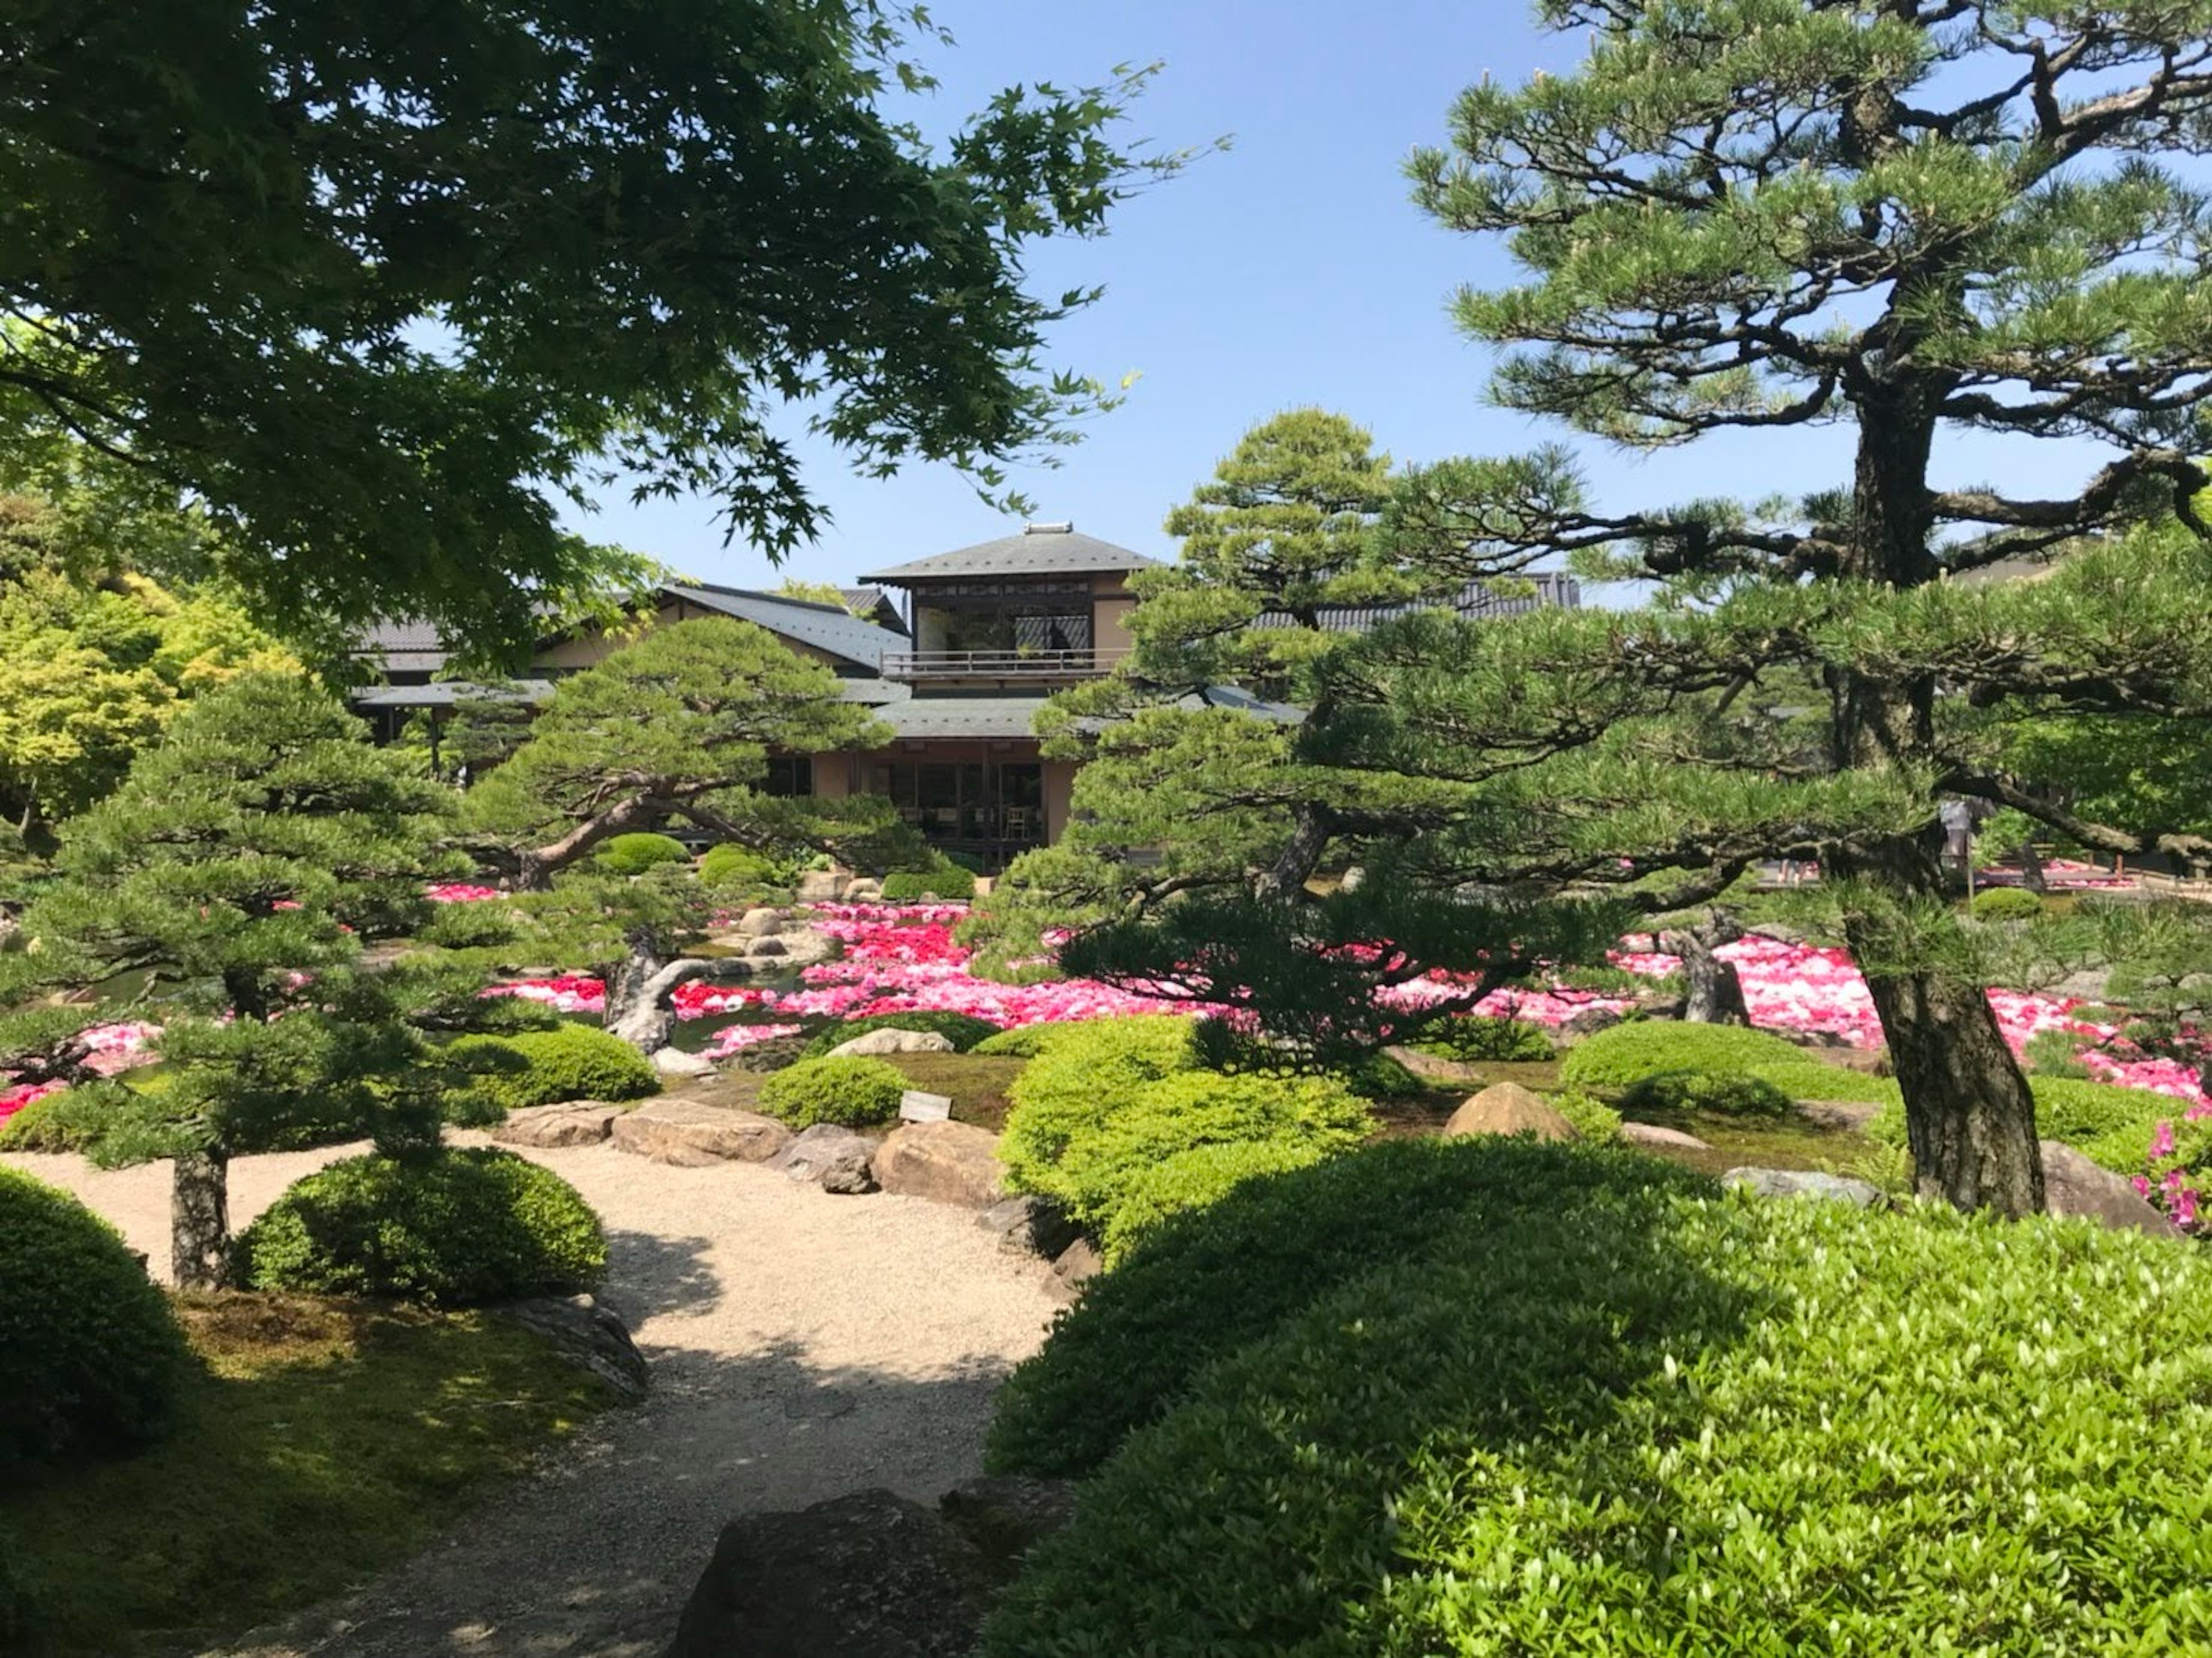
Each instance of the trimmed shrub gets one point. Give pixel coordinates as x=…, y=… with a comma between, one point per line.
x=962, y=1030
x=2006, y=904
x=1598, y=1123
x=458, y=1227
x=855, y=1092
x=1629, y=1053
x=1086, y=1073
x=90, y=1354
x=543, y=1067
x=729, y=865
x=1712, y=1093
x=634, y=854
x=1379, y=1077
x=947, y=883
x=1473, y=1037
x=482, y=926
x=1193, y=1178
x=1809, y=1079
x=1024, y=1042
x=1611, y=1423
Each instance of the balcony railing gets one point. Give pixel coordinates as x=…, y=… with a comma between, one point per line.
x=1000, y=664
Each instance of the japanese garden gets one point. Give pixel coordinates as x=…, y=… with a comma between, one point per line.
x=1475, y=1055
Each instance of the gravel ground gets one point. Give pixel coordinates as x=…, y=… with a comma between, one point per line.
x=802, y=1345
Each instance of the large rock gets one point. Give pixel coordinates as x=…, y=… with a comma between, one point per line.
x=802, y=947
x=1849, y=1114
x=820, y=886
x=832, y=1157
x=1508, y=1108
x=2072, y=1185
x=692, y=1135
x=589, y=1336
x=1078, y=1264
x=1804, y=1183
x=1652, y=1135
x=758, y=949
x=675, y=1062
x=1587, y=1022
x=760, y=923
x=945, y=1162
x=891, y=1039
x=578, y=1122
x=1030, y=1226
x=865, y=890
x=870, y=1574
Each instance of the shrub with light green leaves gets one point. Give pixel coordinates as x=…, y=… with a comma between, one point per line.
x=1024, y=1042
x=1627, y=1054
x=90, y=1354
x=852, y=1091
x=2006, y=904
x=634, y=854
x=1717, y=1094
x=1193, y=1178
x=946, y=883
x=962, y=1030
x=499, y=1074
x=1085, y=1074
x=1474, y=1036
x=1591, y=1118
x=1806, y=1078
x=460, y=1227
x=1606, y=1418
x=730, y=867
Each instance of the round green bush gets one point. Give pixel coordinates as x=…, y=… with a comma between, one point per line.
x=1472, y=1036
x=2006, y=904
x=1086, y=1073
x=634, y=854
x=1193, y=1178
x=1643, y=1421
x=948, y=883
x=1023, y=1041
x=1628, y=1053
x=90, y=1354
x=730, y=866
x=962, y=1030
x=1379, y=1077
x=543, y=1067
x=855, y=1092
x=1709, y=1092
x=1809, y=1079
x=456, y=1228
x=1598, y=1123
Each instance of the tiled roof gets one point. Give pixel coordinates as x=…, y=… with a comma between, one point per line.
x=450, y=693
x=874, y=604
x=962, y=716
x=826, y=627
x=1038, y=550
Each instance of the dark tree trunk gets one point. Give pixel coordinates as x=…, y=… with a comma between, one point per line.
x=199, y=1219
x=1301, y=854
x=2031, y=866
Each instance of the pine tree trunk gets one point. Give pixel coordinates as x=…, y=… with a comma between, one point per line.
x=199, y=1220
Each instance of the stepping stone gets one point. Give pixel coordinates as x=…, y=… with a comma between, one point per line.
x=1804, y=1183
x=691, y=1135
x=1651, y=1134
x=577, y=1122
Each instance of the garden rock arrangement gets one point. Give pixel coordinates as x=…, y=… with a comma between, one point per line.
x=1508, y=1108
x=945, y=1162
x=1804, y=1183
x=691, y=1134
x=589, y=1335
x=834, y=1158
x=578, y=1122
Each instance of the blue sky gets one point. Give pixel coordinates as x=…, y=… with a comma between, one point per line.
x=1289, y=269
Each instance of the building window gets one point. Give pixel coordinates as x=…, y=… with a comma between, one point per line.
x=790, y=777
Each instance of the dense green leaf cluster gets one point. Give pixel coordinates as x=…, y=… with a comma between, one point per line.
x=1080, y=1074
x=1481, y=1036
x=456, y=1228
x=2005, y=904
x=1626, y=1053
x=962, y=1030
x=946, y=884
x=90, y=1354
x=495, y=1075
x=1720, y=1094
x=852, y=1091
x=634, y=854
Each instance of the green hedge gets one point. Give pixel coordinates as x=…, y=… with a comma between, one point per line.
x=1023, y=1041
x=1192, y=1179
x=962, y=1030
x=1712, y=1093
x=634, y=854
x=90, y=1354
x=543, y=1067
x=1586, y=1409
x=458, y=1227
x=1085, y=1072
x=2006, y=904
x=1597, y=1123
x=1806, y=1078
x=856, y=1092
x=1628, y=1053
x=1472, y=1037
x=732, y=866
x=948, y=882
x=64, y=1122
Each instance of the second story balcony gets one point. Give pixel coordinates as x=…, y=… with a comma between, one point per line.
x=1031, y=665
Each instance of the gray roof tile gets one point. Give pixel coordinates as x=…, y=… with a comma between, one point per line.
x=1038, y=550
x=826, y=626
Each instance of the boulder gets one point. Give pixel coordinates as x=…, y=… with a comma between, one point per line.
x=803, y=947
x=691, y=1135
x=1651, y=1134
x=1030, y=1226
x=1508, y=1108
x=760, y=923
x=675, y=1062
x=1852, y=1114
x=865, y=890
x=578, y=1122
x=589, y=1336
x=945, y=1162
x=1006, y=1515
x=820, y=886
x=891, y=1040
x=766, y=949
x=1077, y=1263
x=1804, y=1183
x=832, y=1157
x=1587, y=1022
x=870, y=1574
x=2072, y=1185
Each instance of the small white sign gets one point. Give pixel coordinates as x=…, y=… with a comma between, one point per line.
x=914, y=1106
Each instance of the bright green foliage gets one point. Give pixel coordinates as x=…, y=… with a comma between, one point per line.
x=1480, y=1036
x=1375, y=1077
x=654, y=229
x=1023, y=1041
x=730, y=867
x=1719, y=1094
x=1085, y=1074
x=495, y=1075
x=1212, y=1280
x=634, y=854
x=1139, y=1130
x=2053, y=1054
x=456, y=1228
x=945, y=882
x=1607, y=1420
x=1628, y=1053
x=851, y=1091
x=2005, y=904
x=680, y=723
x=1194, y=1177
x=1809, y=1079
x=90, y=1357
x=962, y=1030
x=1591, y=1118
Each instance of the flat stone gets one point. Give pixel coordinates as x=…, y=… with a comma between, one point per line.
x=832, y=1157
x=1031, y=1226
x=891, y=1040
x=675, y=1062
x=577, y=1122
x=1804, y=1183
x=2072, y=1185
x=1853, y=1115
x=691, y=1135
x=1078, y=1264
x=952, y=1163
x=1651, y=1134
x=588, y=1335
x=760, y=923
x=1508, y=1108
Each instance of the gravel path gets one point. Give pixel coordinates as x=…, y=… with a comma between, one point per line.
x=802, y=1345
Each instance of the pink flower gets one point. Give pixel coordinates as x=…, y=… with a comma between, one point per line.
x=2142, y=1183
x=2161, y=1143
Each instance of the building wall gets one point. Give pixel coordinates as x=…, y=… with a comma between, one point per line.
x=1058, y=793
x=1111, y=603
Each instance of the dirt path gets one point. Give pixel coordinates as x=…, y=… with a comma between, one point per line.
x=802, y=1345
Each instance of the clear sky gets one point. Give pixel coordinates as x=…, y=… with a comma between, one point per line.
x=1290, y=270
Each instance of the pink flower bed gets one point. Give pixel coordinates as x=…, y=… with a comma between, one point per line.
x=460, y=892
x=738, y=1037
